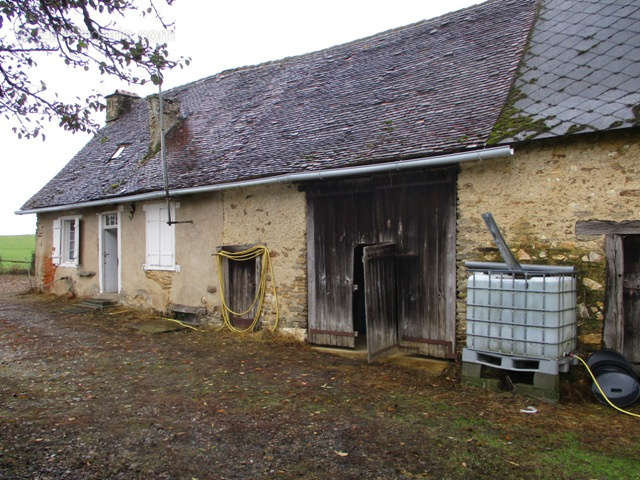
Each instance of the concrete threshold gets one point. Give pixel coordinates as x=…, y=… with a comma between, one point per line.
x=408, y=360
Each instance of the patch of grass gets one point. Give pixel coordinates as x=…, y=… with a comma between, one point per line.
x=16, y=248
x=576, y=459
x=465, y=422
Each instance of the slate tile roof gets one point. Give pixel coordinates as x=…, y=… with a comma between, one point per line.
x=431, y=87
x=580, y=73
x=441, y=85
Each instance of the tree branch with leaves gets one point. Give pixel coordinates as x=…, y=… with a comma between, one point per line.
x=83, y=34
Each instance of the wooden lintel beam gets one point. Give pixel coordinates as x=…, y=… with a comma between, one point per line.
x=337, y=333
x=606, y=227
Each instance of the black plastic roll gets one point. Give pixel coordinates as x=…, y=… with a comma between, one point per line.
x=616, y=377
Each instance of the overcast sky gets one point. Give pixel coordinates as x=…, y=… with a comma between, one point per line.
x=217, y=36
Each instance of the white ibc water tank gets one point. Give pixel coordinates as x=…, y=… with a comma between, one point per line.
x=528, y=314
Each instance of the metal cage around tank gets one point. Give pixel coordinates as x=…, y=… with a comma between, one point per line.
x=529, y=313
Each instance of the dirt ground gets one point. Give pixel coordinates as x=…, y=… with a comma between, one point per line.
x=84, y=395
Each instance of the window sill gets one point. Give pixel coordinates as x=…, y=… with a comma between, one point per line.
x=175, y=268
x=68, y=265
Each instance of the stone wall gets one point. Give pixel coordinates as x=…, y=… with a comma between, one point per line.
x=537, y=196
x=275, y=216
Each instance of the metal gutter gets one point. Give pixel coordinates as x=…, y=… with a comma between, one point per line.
x=484, y=154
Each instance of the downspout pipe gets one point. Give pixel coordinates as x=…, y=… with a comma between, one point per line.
x=424, y=162
x=163, y=158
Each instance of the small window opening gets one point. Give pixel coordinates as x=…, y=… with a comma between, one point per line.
x=110, y=220
x=69, y=248
x=118, y=151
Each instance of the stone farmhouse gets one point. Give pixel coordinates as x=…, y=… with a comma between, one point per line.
x=386, y=149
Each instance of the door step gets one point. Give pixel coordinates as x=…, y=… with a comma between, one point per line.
x=95, y=304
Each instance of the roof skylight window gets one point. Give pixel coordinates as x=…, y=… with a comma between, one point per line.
x=118, y=151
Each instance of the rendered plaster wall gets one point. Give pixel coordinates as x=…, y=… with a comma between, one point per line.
x=536, y=197
x=272, y=215
x=194, y=284
x=80, y=281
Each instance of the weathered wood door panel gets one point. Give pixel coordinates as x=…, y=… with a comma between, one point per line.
x=622, y=302
x=380, y=299
x=339, y=223
x=421, y=222
x=631, y=298
x=242, y=284
x=241, y=280
x=614, y=316
x=415, y=211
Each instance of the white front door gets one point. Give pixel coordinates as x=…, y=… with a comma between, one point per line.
x=110, y=257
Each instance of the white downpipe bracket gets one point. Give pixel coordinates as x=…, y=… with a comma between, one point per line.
x=438, y=160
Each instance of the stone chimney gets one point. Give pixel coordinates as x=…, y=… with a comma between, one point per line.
x=119, y=103
x=171, y=113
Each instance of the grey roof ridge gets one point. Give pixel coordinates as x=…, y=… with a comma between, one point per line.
x=268, y=63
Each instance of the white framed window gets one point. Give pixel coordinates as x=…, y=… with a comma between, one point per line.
x=110, y=220
x=66, y=241
x=160, y=237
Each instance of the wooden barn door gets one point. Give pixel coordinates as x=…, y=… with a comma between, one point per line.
x=414, y=299
x=336, y=223
x=420, y=218
x=380, y=299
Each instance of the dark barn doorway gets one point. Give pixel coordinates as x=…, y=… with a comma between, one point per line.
x=621, y=330
x=414, y=212
x=359, y=314
x=631, y=298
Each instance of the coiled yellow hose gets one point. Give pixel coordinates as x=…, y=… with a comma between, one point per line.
x=258, y=301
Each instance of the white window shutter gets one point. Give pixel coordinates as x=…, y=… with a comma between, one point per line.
x=166, y=235
x=56, y=253
x=172, y=238
x=76, y=260
x=153, y=240
x=160, y=238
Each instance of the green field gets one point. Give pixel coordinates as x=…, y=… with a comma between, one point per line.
x=16, y=248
